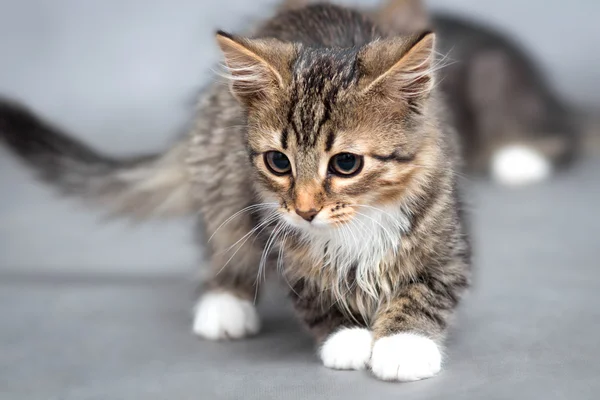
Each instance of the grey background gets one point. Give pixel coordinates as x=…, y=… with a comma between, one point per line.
x=100, y=311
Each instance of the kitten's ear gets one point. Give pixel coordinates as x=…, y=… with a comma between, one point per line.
x=256, y=68
x=399, y=69
x=403, y=17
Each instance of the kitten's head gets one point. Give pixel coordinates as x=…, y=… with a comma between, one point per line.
x=335, y=132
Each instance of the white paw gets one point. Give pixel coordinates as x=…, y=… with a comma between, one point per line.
x=221, y=315
x=405, y=357
x=520, y=165
x=348, y=348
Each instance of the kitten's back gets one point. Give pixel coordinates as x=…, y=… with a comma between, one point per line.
x=321, y=25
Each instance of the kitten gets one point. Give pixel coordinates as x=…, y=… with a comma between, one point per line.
x=512, y=123
x=327, y=158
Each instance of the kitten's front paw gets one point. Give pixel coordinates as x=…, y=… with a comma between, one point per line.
x=405, y=357
x=221, y=315
x=348, y=348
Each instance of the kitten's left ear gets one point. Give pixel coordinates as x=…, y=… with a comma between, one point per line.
x=257, y=67
x=400, y=68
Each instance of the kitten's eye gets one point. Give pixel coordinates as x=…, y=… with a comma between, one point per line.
x=278, y=163
x=346, y=164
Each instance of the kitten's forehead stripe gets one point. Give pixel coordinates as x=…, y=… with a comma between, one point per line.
x=320, y=75
x=330, y=141
x=284, y=138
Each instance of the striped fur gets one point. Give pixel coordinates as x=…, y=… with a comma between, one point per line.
x=387, y=249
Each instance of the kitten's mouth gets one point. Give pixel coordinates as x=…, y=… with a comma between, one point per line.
x=321, y=224
x=318, y=224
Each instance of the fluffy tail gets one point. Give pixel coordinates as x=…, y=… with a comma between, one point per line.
x=155, y=185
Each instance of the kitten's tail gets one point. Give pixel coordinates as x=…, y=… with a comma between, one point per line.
x=154, y=185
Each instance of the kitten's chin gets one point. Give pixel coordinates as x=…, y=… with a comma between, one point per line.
x=320, y=224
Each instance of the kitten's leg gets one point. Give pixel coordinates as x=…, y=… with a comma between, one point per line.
x=226, y=309
x=344, y=343
x=408, y=332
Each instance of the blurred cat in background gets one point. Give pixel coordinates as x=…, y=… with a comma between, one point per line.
x=512, y=123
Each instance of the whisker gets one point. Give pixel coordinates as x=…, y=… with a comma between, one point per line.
x=253, y=207
x=280, y=262
x=394, y=219
x=263, y=259
x=259, y=232
x=270, y=218
x=268, y=245
x=351, y=233
x=247, y=237
x=286, y=232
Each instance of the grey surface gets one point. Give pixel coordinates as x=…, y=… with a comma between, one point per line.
x=101, y=311
x=528, y=330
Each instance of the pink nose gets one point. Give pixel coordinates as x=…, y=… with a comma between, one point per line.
x=308, y=215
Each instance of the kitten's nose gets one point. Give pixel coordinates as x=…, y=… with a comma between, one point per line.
x=308, y=215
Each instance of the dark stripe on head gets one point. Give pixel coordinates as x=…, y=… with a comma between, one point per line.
x=284, y=138
x=290, y=115
x=324, y=118
x=330, y=140
x=329, y=98
x=395, y=156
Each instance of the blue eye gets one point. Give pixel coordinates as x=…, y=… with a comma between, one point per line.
x=345, y=164
x=278, y=163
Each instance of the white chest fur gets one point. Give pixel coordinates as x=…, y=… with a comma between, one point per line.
x=358, y=248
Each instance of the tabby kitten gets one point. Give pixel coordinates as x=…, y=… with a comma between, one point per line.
x=513, y=125
x=328, y=158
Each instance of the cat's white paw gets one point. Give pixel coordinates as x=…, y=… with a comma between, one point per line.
x=405, y=357
x=520, y=165
x=348, y=348
x=221, y=315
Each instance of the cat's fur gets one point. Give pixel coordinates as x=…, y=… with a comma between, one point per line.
x=378, y=271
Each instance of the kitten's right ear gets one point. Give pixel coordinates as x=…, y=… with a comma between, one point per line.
x=256, y=68
x=399, y=68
